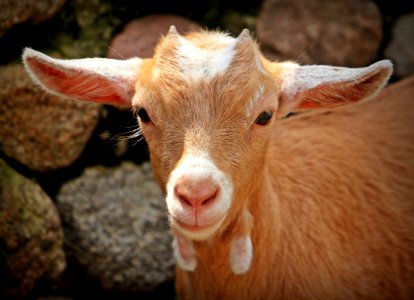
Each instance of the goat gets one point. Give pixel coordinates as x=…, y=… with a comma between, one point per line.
x=319, y=205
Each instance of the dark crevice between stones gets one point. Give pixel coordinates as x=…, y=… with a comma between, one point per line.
x=391, y=11
x=75, y=284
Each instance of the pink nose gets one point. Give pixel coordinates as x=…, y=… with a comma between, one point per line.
x=196, y=193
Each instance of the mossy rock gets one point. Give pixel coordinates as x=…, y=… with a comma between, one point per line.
x=31, y=236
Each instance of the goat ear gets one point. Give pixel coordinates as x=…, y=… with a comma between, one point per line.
x=99, y=80
x=312, y=87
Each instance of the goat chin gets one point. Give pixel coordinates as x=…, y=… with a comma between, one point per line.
x=197, y=233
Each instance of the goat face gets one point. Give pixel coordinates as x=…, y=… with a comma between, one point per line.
x=207, y=123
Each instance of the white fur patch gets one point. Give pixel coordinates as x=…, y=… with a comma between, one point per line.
x=122, y=73
x=241, y=254
x=255, y=98
x=184, y=253
x=259, y=65
x=111, y=68
x=297, y=79
x=200, y=167
x=205, y=63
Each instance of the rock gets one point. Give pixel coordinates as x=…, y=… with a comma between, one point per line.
x=14, y=12
x=401, y=47
x=96, y=21
x=116, y=227
x=140, y=36
x=40, y=130
x=31, y=237
x=235, y=21
x=337, y=32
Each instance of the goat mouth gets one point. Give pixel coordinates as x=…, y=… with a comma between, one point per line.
x=196, y=231
x=192, y=228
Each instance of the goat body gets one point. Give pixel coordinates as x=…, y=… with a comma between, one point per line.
x=319, y=205
x=334, y=211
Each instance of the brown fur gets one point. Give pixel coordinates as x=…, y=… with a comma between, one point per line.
x=327, y=197
x=334, y=213
x=328, y=201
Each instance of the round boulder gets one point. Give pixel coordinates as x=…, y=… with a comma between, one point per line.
x=116, y=227
x=31, y=236
x=336, y=32
x=40, y=130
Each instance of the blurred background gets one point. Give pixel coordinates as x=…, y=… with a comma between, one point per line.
x=80, y=213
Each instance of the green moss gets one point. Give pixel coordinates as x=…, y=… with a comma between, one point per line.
x=9, y=179
x=6, y=173
x=31, y=239
x=90, y=26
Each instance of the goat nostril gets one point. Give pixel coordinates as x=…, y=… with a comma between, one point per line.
x=182, y=197
x=195, y=193
x=210, y=199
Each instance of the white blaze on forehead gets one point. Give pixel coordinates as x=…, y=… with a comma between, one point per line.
x=205, y=63
x=259, y=65
x=255, y=99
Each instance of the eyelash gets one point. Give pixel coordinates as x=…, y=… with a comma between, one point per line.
x=143, y=115
x=264, y=118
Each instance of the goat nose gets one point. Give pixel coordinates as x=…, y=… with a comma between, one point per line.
x=195, y=192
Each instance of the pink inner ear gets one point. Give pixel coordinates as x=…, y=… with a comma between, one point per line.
x=47, y=74
x=332, y=95
x=76, y=83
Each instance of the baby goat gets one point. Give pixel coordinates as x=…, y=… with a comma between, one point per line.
x=316, y=206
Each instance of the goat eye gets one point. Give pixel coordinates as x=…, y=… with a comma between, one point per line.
x=264, y=118
x=143, y=115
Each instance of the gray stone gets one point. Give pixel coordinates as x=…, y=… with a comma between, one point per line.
x=14, y=12
x=116, y=227
x=31, y=236
x=401, y=47
x=335, y=32
x=40, y=130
